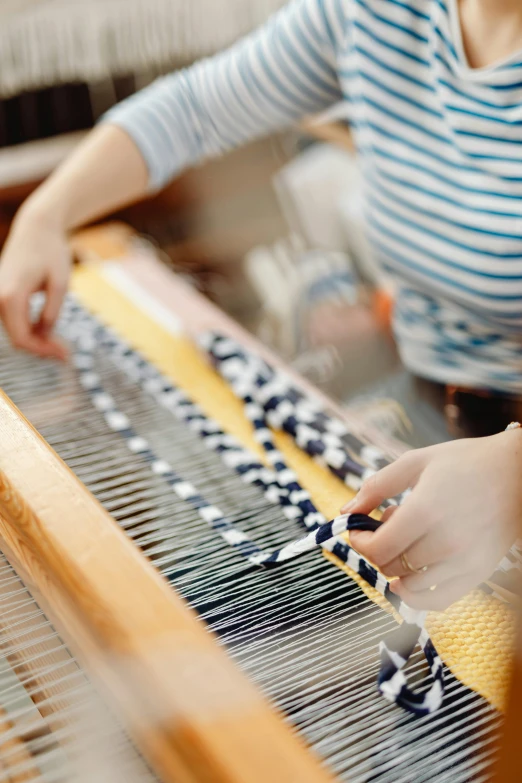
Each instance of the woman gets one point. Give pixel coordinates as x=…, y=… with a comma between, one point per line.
x=433, y=89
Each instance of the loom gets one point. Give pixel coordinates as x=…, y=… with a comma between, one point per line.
x=106, y=674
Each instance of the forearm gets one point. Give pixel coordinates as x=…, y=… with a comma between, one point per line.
x=105, y=172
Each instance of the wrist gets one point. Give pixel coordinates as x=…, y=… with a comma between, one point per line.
x=44, y=208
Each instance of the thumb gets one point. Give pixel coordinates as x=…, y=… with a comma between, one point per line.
x=387, y=483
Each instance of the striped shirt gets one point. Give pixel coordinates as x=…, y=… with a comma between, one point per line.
x=439, y=145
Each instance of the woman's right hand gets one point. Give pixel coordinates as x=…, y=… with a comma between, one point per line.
x=36, y=258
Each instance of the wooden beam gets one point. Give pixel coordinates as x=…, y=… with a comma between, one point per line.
x=193, y=714
x=508, y=766
x=33, y=161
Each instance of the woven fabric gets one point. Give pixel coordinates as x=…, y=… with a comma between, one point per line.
x=477, y=648
x=49, y=42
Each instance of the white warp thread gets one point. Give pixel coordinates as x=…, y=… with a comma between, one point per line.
x=50, y=42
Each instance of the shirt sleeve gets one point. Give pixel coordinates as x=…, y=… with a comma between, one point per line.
x=265, y=82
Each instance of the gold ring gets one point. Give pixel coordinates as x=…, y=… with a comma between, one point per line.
x=408, y=566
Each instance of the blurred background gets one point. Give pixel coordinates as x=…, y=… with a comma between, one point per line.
x=273, y=232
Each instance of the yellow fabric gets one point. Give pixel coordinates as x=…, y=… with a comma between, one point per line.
x=475, y=637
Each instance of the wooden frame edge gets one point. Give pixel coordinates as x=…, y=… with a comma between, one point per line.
x=194, y=715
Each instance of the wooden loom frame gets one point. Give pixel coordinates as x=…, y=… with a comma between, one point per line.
x=194, y=742
x=194, y=715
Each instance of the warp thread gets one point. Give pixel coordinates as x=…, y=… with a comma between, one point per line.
x=280, y=486
x=51, y=42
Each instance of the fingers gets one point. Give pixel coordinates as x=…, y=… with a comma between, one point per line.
x=50, y=345
x=451, y=577
x=434, y=574
x=388, y=513
x=14, y=311
x=15, y=315
x=478, y=559
x=403, y=528
x=54, y=294
x=426, y=551
x=360, y=539
x=387, y=483
x=441, y=597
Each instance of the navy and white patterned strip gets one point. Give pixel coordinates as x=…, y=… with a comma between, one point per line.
x=285, y=408
x=139, y=446
x=321, y=535
x=394, y=656
x=292, y=495
x=271, y=382
x=319, y=438
x=232, y=452
x=176, y=402
x=399, y=646
x=87, y=332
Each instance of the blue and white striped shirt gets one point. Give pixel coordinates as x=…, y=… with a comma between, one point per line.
x=439, y=144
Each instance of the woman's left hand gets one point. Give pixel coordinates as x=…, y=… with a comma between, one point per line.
x=461, y=517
